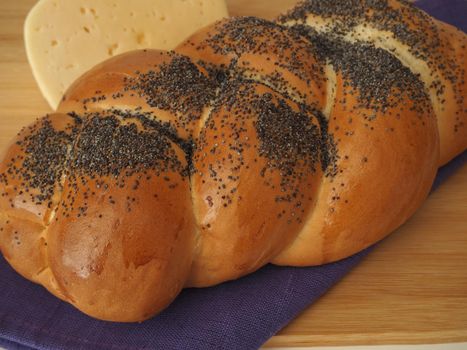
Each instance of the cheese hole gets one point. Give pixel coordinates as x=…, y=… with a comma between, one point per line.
x=140, y=38
x=111, y=49
x=70, y=66
x=132, y=14
x=86, y=29
x=82, y=10
x=54, y=43
x=94, y=13
x=162, y=18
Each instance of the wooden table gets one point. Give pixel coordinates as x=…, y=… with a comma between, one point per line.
x=412, y=289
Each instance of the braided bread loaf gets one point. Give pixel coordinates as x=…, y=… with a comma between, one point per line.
x=252, y=143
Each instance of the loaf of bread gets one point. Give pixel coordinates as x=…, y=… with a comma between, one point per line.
x=253, y=142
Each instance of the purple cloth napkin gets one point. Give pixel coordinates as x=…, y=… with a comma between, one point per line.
x=242, y=314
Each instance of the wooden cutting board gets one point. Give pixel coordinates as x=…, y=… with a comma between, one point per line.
x=412, y=289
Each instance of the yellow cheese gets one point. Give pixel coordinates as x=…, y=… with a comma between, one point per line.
x=65, y=38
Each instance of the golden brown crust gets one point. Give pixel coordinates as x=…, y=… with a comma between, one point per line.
x=452, y=121
x=232, y=178
x=149, y=79
x=110, y=263
x=386, y=168
x=272, y=56
x=81, y=221
x=237, y=182
x=29, y=194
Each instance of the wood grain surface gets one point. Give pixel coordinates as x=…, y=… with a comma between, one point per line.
x=412, y=289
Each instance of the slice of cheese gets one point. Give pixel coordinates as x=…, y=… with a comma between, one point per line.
x=65, y=38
